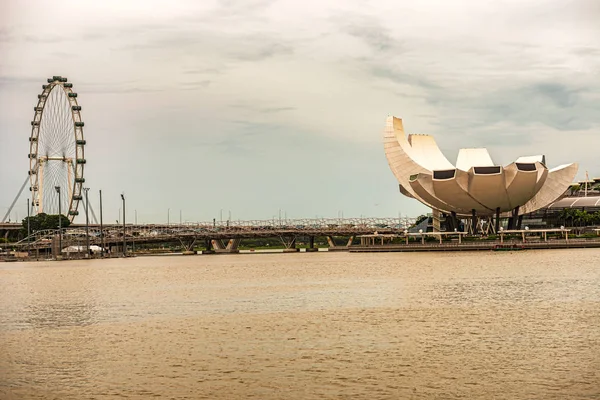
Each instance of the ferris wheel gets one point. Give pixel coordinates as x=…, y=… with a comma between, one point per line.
x=56, y=150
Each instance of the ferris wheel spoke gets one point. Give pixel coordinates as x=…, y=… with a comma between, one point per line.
x=57, y=123
x=64, y=125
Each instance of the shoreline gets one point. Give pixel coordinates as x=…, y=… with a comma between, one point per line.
x=386, y=248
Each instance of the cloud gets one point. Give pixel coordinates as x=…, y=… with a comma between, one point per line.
x=18, y=80
x=193, y=85
x=556, y=105
x=5, y=35
x=261, y=108
x=241, y=8
x=269, y=110
x=202, y=71
x=257, y=50
x=45, y=39
x=491, y=89
x=371, y=32
x=112, y=89
x=255, y=47
x=239, y=87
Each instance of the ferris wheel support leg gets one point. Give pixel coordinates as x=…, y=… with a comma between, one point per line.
x=15, y=200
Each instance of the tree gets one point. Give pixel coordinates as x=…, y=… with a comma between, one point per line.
x=420, y=219
x=575, y=188
x=596, y=217
x=582, y=218
x=45, y=221
x=570, y=216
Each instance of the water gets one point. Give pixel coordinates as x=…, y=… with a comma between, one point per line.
x=522, y=325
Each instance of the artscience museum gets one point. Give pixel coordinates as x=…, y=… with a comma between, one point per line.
x=475, y=187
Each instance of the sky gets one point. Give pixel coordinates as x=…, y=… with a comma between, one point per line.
x=251, y=107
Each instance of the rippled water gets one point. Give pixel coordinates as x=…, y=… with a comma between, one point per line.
x=523, y=325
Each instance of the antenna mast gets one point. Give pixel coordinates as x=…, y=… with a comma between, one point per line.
x=587, y=179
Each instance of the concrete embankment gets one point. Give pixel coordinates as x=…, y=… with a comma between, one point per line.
x=478, y=246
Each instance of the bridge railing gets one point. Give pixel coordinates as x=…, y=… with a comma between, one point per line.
x=301, y=223
x=273, y=222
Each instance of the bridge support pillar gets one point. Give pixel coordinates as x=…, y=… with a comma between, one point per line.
x=56, y=250
x=330, y=241
x=311, y=244
x=334, y=247
x=187, y=246
x=208, y=247
x=218, y=244
x=290, y=245
x=350, y=240
x=231, y=247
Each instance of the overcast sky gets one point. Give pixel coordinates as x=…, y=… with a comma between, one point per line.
x=260, y=105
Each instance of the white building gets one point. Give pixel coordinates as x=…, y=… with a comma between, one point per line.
x=475, y=186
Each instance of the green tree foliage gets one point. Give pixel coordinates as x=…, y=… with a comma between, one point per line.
x=575, y=188
x=420, y=219
x=44, y=221
x=575, y=217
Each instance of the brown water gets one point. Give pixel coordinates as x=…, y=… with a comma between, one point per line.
x=522, y=325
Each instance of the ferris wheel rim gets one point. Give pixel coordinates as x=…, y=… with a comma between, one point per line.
x=77, y=164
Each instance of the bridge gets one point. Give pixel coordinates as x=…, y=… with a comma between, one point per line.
x=214, y=236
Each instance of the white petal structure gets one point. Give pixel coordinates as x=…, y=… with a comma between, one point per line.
x=476, y=184
x=468, y=158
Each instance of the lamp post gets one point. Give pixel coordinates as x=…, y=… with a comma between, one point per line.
x=101, y=228
x=87, y=224
x=28, y=228
x=124, y=242
x=132, y=237
x=168, y=216
x=57, y=188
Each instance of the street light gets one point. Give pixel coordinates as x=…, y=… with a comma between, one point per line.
x=57, y=188
x=124, y=243
x=132, y=237
x=168, y=216
x=101, y=227
x=87, y=223
x=28, y=228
